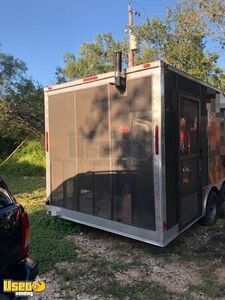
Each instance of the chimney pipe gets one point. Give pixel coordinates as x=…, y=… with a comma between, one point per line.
x=119, y=79
x=118, y=62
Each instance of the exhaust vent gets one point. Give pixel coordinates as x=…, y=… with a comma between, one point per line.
x=120, y=79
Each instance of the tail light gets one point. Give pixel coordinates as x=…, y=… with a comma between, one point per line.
x=165, y=226
x=156, y=139
x=25, y=234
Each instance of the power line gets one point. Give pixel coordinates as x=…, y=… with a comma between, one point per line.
x=137, y=3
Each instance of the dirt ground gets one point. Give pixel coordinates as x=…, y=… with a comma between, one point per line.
x=106, y=266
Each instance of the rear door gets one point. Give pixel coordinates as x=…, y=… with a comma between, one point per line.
x=189, y=160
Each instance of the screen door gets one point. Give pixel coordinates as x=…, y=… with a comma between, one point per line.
x=189, y=161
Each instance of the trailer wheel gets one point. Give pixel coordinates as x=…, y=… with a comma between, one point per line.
x=212, y=209
x=222, y=202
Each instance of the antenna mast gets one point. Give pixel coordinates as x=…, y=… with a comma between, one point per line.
x=130, y=27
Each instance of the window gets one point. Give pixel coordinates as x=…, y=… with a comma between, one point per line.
x=188, y=126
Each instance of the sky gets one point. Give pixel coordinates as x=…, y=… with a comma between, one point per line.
x=40, y=32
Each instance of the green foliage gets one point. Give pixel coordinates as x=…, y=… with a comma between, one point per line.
x=11, y=70
x=214, y=13
x=21, y=104
x=95, y=57
x=26, y=102
x=181, y=40
x=29, y=160
x=12, y=128
x=59, y=75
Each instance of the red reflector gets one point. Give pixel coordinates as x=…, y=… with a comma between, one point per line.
x=156, y=139
x=146, y=66
x=165, y=227
x=124, y=129
x=46, y=141
x=90, y=78
x=25, y=234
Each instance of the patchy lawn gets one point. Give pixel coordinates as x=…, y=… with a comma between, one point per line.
x=78, y=262
x=47, y=233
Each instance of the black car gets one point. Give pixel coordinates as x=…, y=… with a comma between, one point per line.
x=15, y=264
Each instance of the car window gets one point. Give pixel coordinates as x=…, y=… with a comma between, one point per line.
x=4, y=199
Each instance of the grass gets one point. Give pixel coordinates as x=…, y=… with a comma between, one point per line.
x=29, y=160
x=140, y=290
x=93, y=273
x=212, y=289
x=49, y=246
x=65, y=274
x=23, y=184
x=23, y=173
x=47, y=233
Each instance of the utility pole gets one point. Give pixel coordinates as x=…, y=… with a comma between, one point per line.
x=130, y=27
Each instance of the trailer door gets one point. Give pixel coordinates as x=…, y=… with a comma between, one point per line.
x=189, y=161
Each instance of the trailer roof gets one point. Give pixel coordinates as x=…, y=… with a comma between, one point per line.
x=172, y=68
x=149, y=65
x=98, y=77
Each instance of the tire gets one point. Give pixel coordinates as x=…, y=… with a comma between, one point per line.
x=212, y=210
x=222, y=202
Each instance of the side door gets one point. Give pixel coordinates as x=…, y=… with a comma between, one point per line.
x=189, y=161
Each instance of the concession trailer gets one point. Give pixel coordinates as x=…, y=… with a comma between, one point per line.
x=139, y=152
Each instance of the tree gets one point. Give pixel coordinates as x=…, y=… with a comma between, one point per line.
x=21, y=95
x=214, y=13
x=181, y=40
x=21, y=103
x=95, y=57
x=12, y=70
x=59, y=75
x=26, y=102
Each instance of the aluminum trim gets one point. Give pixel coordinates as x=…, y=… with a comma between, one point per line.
x=174, y=232
x=144, y=235
x=163, y=146
x=79, y=82
x=47, y=154
x=157, y=165
x=154, y=64
x=103, y=76
x=83, y=86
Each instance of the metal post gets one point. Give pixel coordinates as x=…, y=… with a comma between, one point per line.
x=130, y=25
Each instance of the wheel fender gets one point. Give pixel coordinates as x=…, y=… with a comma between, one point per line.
x=206, y=193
